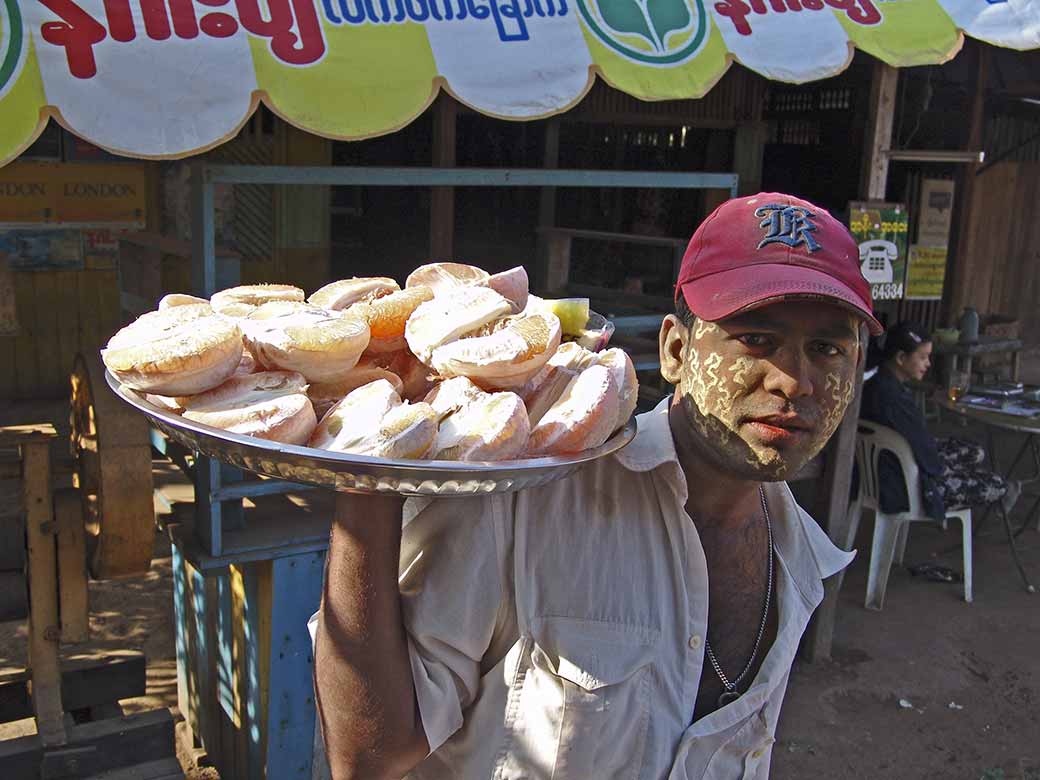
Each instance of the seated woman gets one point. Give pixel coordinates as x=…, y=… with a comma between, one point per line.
x=951, y=471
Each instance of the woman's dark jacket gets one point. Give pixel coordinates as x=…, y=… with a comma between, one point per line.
x=888, y=402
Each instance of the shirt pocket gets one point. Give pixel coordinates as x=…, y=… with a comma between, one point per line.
x=579, y=706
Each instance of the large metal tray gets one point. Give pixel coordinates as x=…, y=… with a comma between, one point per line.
x=363, y=474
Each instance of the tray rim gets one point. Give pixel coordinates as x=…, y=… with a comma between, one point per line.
x=337, y=461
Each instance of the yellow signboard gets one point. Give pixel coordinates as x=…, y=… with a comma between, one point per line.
x=925, y=273
x=72, y=194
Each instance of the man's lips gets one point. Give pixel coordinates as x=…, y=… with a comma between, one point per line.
x=791, y=422
x=779, y=429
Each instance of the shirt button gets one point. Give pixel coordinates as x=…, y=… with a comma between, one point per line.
x=695, y=642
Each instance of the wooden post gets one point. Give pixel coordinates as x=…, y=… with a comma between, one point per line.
x=44, y=625
x=874, y=174
x=956, y=293
x=547, y=206
x=72, y=565
x=748, y=150
x=442, y=200
x=833, y=499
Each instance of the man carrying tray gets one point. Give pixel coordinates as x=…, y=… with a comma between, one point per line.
x=639, y=618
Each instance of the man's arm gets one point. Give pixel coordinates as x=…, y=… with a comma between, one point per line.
x=363, y=678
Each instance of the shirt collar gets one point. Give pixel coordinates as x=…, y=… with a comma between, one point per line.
x=652, y=445
x=801, y=543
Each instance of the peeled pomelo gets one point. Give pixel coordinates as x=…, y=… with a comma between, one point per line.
x=512, y=352
x=343, y=294
x=387, y=316
x=451, y=315
x=444, y=277
x=583, y=417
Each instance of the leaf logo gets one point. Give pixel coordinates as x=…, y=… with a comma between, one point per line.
x=651, y=32
x=13, y=44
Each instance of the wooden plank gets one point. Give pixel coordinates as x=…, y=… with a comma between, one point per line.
x=15, y=435
x=47, y=311
x=72, y=566
x=26, y=368
x=228, y=723
x=546, y=203
x=127, y=513
x=442, y=199
x=161, y=769
x=20, y=757
x=832, y=513
x=85, y=682
x=625, y=238
x=291, y=709
x=248, y=609
x=109, y=304
x=14, y=603
x=883, y=88
x=44, y=626
x=748, y=151
x=90, y=340
x=68, y=323
x=113, y=743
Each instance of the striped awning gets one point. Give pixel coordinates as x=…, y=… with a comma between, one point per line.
x=166, y=78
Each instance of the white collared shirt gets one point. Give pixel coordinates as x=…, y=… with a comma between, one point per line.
x=559, y=632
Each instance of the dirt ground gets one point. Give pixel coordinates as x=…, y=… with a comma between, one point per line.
x=930, y=688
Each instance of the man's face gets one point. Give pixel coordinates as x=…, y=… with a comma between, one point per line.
x=763, y=391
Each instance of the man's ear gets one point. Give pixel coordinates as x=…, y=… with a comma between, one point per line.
x=671, y=348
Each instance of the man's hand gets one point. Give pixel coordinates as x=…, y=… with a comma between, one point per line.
x=363, y=678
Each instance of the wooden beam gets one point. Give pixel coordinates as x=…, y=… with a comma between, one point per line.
x=84, y=683
x=831, y=511
x=547, y=206
x=442, y=199
x=748, y=150
x=874, y=174
x=72, y=565
x=44, y=625
x=956, y=293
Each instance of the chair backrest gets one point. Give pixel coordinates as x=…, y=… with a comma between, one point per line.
x=873, y=439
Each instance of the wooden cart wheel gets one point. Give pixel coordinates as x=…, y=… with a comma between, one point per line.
x=113, y=454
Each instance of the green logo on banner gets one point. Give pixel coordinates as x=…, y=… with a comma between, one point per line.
x=12, y=43
x=653, y=32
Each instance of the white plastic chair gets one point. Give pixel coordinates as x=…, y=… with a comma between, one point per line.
x=891, y=530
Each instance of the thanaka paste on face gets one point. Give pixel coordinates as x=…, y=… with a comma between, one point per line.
x=704, y=327
x=715, y=385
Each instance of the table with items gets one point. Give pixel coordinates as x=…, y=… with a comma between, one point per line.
x=1014, y=408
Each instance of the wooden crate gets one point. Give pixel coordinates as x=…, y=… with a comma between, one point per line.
x=245, y=661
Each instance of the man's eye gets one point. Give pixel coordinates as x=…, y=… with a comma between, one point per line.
x=757, y=340
x=829, y=350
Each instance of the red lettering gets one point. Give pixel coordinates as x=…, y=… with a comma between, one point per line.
x=156, y=22
x=219, y=25
x=736, y=11
x=778, y=6
x=303, y=47
x=859, y=11
x=77, y=33
x=182, y=13
x=812, y=5
x=120, y=20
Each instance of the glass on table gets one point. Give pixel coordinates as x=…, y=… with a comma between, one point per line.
x=957, y=384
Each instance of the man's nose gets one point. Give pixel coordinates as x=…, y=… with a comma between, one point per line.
x=789, y=374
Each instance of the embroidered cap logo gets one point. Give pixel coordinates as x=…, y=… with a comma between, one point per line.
x=789, y=225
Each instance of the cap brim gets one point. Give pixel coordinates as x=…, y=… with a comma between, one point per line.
x=726, y=293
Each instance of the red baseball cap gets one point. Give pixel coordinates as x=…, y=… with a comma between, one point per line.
x=770, y=247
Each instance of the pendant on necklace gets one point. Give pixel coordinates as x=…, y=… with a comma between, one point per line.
x=728, y=697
